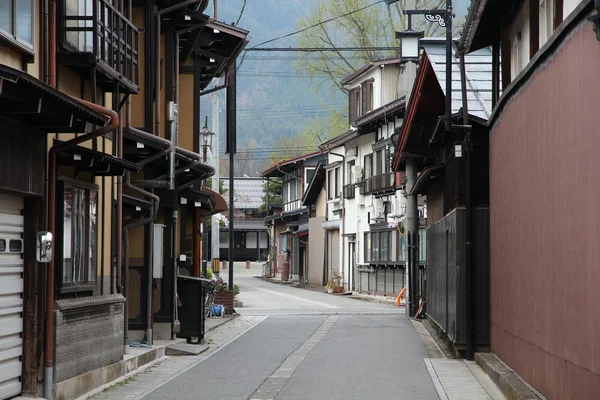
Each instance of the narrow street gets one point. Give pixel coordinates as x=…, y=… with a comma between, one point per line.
x=292, y=343
x=311, y=346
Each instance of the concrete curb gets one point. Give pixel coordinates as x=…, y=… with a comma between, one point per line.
x=225, y=321
x=509, y=382
x=375, y=299
x=121, y=371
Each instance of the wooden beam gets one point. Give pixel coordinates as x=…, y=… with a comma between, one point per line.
x=534, y=27
x=191, y=40
x=210, y=54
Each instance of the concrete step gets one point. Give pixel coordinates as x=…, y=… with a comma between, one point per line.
x=185, y=349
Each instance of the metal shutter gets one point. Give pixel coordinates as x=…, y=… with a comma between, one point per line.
x=11, y=295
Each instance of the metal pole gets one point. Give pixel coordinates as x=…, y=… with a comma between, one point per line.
x=231, y=136
x=449, y=55
x=215, y=253
x=204, y=232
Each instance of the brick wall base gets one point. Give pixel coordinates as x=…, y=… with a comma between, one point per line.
x=225, y=297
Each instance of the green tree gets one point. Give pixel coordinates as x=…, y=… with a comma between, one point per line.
x=370, y=28
x=272, y=189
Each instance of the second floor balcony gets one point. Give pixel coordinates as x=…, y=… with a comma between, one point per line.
x=349, y=191
x=95, y=35
x=379, y=184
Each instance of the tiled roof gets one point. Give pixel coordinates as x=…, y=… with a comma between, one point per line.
x=367, y=67
x=248, y=192
x=478, y=74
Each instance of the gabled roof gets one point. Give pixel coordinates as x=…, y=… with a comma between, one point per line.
x=339, y=140
x=390, y=109
x=478, y=67
x=484, y=20
x=368, y=67
x=273, y=170
x=427, y=101
x=248, y=192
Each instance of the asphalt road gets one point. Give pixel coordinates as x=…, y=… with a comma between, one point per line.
x=311, y=345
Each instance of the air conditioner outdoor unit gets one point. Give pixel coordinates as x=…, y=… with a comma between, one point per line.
x=357, y=170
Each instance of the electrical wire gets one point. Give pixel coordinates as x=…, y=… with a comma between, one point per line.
x=317, y=24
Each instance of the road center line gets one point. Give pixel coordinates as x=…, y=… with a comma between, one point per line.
x=291, y=296
x=273, y=385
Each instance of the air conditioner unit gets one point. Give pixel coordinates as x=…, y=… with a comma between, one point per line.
x=352, y=152
x=357, y=171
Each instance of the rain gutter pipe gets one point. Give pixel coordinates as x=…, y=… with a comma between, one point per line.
x=131, y=225
x=52, y=169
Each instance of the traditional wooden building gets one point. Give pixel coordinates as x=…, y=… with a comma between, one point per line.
x=74, y=78
x=440, y=182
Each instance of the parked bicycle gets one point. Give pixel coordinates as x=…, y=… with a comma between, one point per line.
x=209, y=297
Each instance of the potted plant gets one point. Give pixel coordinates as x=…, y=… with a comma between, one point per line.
x=338, y=283
x=329, y=286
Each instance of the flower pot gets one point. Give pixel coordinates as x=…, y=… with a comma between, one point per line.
x=338, y=289
x=330, y=290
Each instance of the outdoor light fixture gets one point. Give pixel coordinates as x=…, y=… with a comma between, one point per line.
x=409, y=44
x=207, y=138
x=458, y=150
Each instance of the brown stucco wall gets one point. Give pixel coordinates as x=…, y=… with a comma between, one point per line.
x=545, y=256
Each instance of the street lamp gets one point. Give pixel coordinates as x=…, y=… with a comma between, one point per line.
x=409, y=44
x=444, y=19
x=207, y=138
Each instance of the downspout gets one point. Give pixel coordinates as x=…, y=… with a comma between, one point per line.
x=113, y=124
x=149, y=220
x=342, y=225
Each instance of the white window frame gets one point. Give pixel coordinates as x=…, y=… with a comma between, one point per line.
x=12, y=36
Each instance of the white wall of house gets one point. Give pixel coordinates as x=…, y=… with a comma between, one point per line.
x=387, y=85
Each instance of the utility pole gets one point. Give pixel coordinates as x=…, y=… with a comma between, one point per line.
x=215, y=151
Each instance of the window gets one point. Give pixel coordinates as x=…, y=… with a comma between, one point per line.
x=309, y=173
x=546, y=20
x=336, y=174
x=16, y=22
x=379, y=161
x=82, y=41
x=516, y=56
x=251, y=240
x=79, y=233
x=368, y=168
x=375, y=248
x=367, y=96
x=367, y=247
x=351, y=172
x=223, y=240
x=329, y=184
x=354, y=104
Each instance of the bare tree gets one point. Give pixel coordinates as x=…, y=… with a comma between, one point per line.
x=368, y=29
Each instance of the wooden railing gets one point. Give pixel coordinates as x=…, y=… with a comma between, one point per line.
x=97, y=27
x=349, y=191
x=380, y=183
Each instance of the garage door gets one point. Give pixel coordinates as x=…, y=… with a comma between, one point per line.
x=11, y=295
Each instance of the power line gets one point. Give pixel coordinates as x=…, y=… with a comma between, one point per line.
x=315, y=25
x=320, y=49
x=307, y=28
